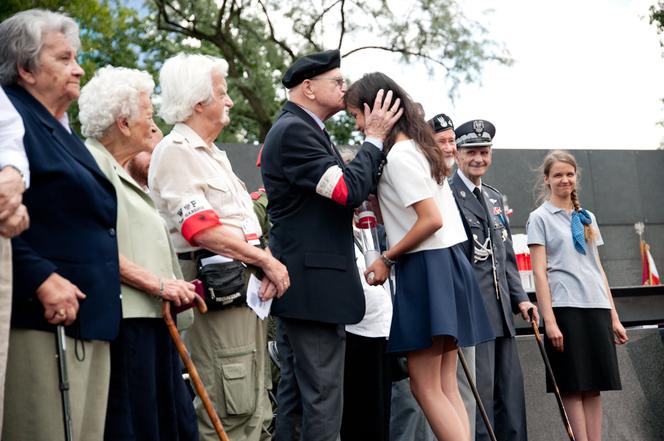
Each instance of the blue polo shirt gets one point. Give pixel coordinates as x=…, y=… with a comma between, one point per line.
x=575, y=280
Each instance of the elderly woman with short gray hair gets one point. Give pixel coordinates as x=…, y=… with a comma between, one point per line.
x=210, y=215
x=66, y=268
x=148, y=399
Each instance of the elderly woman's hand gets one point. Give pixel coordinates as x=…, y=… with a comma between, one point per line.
x=177, y=291
x=60, y=299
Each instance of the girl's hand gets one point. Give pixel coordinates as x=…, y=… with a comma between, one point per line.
x=555, y=336
x=619, y=332
x=377, y=273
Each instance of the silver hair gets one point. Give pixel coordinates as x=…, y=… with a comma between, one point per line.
x=186, y=80
x=22, y=39
x=113, y=93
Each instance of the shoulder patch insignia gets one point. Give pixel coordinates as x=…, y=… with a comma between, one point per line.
x=490, y=187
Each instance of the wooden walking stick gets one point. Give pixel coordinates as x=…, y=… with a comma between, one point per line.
x=476, y=394
x=556, y=391
x=193, y=373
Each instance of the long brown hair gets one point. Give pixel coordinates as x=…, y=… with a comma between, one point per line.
x=545, y=191
x=411, y=123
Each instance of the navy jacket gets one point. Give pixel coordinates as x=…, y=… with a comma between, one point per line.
x=312, y=234
x=73, y=212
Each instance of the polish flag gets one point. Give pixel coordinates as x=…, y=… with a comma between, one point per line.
x=649, y=276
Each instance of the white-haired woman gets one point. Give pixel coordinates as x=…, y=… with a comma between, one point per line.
x=148, y=399
x=209, y=212
x=66, y=269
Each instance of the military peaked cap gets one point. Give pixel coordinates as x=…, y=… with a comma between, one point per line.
x=475, y=133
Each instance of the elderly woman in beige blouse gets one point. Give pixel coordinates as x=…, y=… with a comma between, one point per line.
x=148, y=399
x=210, y=213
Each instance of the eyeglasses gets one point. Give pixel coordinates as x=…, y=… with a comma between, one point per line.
x=339, y=80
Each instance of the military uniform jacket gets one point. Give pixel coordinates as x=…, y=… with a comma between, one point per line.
x=499, y=308
x=311, y=229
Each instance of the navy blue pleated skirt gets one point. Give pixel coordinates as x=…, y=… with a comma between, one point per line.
x=437, y=294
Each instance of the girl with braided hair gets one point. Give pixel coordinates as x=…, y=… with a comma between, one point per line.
x=580, y=319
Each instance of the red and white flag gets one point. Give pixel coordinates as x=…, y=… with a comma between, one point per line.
x=649, y=276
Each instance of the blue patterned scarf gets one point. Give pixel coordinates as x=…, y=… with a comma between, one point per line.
x=580, y=218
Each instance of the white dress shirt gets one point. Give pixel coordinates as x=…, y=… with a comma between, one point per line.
x=12, y=152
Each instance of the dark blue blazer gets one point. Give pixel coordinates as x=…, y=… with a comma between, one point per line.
x=73, y=212
x=311, y=234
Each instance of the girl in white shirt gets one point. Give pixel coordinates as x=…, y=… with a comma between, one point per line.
x=438, y=306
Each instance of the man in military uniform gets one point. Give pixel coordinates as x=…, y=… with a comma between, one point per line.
x=498, y=370
x=312, y=194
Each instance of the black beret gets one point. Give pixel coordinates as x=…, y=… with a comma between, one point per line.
x=475, y=133
x=441, y=122
x=309, y=66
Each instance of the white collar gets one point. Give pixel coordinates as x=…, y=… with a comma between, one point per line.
x=314, y=116
x=191, y=135
x=64, y=120
x=471, y=186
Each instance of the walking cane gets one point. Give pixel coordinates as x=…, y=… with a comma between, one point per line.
x=61, y=351
x=476, y=394
x=193, y=373
x=556, y=391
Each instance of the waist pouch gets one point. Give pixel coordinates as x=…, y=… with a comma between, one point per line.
x=225, y=283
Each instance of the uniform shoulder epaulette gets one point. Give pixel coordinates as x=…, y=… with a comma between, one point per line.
x=256, y=195
x=176, y=138
x=492, y=188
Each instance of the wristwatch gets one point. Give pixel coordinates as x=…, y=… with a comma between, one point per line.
x=387, y=261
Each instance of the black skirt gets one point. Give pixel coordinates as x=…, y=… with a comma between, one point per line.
x=588, y=361
x=148, y=400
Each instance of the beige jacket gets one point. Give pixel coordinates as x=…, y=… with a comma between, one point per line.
x=142, y=234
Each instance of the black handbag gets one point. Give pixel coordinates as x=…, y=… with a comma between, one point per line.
x=225, y=284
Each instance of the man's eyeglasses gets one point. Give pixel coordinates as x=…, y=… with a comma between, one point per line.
x=339, y=80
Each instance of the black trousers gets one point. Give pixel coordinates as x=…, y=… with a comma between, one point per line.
x=367, y=389
x=310, y=392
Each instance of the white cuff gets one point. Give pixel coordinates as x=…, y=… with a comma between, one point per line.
x=375, y=141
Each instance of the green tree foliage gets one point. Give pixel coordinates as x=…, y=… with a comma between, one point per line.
x=110, y=33
x=260, y=38
x=657, y=18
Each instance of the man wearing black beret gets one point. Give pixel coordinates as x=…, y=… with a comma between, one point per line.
x=498, y=370
x=312, y=194
x=443, y=133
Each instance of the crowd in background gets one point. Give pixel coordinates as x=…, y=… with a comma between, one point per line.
x=106, y=229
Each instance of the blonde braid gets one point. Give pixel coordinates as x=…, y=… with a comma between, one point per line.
x=588, y=232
